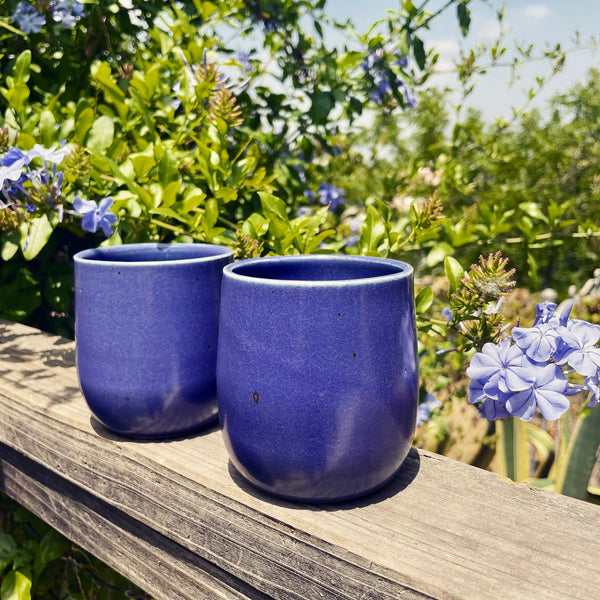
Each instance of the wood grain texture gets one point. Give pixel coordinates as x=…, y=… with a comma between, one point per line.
x=440, y=529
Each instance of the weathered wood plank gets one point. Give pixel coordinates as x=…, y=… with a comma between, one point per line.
x=441, y=529
x=116, y=538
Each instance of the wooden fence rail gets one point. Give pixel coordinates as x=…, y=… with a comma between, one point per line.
x=175, y=518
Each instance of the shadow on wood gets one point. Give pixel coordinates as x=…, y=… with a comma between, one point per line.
x=408, y=471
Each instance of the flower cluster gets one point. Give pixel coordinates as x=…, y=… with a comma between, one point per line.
x=379, y=68
x=527, y=370
x=329, y=195
x=31, y=18
x=27, y=190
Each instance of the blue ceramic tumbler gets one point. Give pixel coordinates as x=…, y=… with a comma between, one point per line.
x=146, y=327
x=317, y=373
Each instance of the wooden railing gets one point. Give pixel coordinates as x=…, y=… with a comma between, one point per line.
x=175, y=518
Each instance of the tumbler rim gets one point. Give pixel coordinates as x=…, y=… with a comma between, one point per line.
x=102, y=255
x=401, y=270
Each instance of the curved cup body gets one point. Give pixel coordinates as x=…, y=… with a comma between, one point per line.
x=146, y=327
x=317, y=373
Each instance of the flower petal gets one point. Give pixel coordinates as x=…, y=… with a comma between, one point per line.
x=522, y=404
x=551, y=404
x=81, y=206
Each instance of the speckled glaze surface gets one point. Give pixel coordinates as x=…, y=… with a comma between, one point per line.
x=317, y=373
x=146, y=328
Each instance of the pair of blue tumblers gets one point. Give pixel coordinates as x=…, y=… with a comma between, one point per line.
x=310, y=362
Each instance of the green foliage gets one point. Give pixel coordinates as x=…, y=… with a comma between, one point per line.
x=189, y=137
x=37, y=562
x=573, y=470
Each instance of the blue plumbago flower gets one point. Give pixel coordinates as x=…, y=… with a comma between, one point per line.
x=310, y=195
x=67, y=13
x=578, y=347
x=376, y=58
x=30, y=187
x=410, y=100
x=544, y=312
x=402, y=60
x=382, y=89
x=593, y=385
x=30, y=190
x=546, y=393
x=28, y=18
x=447, y=314
x=304, y=211
x=243, y=58
x=331, y=196
x=381, y=74
x=502, y=368
x=352, y=240
x=95, y=214
x=490, y=408
x=426, y=408
x=12, y=172
x=52, y=155
x=14, y=155
x=538, y=342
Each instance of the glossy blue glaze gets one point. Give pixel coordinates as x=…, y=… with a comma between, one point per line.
x=146, y=327
x=317, y=373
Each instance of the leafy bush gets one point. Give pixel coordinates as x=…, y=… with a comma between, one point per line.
x=37, y=562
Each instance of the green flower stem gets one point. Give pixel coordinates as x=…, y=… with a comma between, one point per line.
x=513, y=455
x=175, y=229
x=564, y=433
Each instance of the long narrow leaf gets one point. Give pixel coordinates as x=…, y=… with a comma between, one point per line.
x=574, y=476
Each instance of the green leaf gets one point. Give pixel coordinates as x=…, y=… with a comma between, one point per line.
x=142, y=164
x=322, y=104
x=51, y=546
x=8, y=547
x=47, y=127
x=15, y=586
x=409, y=8
x=17, y=96
x=102, y=77
x=19, y=292
x=21, y=68
x=272, y=205
x=169, y=194
x=454, y=272
x=372, y=232
x=170, y=213
x=84, y=121
x=168, y=170
x=464, y=17
x=34, y=236
x=533, y=210
x=211, y=213
x=5, y=23
x=101, y=134
x=575, y=469
x=438, y=253
x=544, y=445
x=512, y=450
x=424, y=300
x=10, y=245
x=418, y=52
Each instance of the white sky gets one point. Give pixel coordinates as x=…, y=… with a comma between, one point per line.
x=543, y=23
